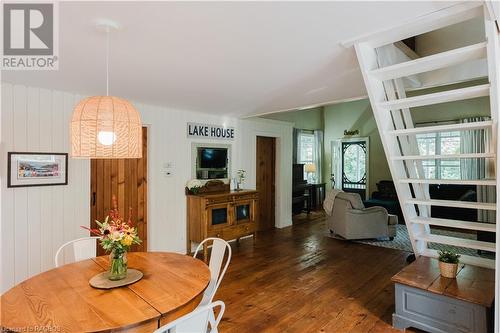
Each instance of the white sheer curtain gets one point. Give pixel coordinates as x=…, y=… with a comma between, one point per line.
x=478, y=141
x=318, y=154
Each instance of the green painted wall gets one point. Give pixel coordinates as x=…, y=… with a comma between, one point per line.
x=355, y=115
x=311, y=119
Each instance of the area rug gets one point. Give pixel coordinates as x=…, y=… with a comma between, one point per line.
x=402, y=242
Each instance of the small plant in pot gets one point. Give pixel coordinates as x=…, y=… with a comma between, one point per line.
x=448, y=263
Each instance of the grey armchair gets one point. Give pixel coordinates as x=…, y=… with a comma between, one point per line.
x=351, y=220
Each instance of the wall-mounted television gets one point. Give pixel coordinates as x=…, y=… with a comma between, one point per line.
x=212, y=158
x=211, y=162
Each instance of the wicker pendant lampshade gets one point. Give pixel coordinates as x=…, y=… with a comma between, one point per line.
x=106, y=127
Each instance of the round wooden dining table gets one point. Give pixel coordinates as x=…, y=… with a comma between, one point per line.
x=61, y=300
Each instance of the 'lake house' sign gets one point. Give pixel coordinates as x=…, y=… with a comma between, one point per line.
x=208, y=131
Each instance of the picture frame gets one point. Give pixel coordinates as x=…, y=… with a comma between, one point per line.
x=25, y=169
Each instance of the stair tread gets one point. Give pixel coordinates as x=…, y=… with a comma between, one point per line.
x=456, y=241
x=490, y=181
x=449, y=156
x=436, y=98
x=482, y=226
x=443, y=128
x=465, y=259
x=452, y=203
x=432, y=62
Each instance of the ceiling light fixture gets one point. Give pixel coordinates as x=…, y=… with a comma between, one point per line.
x=106, y=126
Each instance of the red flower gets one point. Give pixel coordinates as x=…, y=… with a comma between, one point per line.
x=95, y=232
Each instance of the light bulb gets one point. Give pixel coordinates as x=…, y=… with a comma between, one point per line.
x=106, y=138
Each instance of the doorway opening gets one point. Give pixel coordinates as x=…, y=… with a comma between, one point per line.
x=127, y=180
x=266, y=181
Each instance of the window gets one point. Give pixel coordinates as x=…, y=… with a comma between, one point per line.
x=305, y=144
x=443, y=143
x=306, y=148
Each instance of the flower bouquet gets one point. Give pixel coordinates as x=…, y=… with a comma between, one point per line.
x=194, y=186
x=117, y=236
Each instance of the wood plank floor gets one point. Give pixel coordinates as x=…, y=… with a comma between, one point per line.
x=297, y=280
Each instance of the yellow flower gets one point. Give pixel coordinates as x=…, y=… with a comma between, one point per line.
x=127, y=240
x=129, y=231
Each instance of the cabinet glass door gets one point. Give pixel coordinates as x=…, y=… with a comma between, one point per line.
x=243, y=212
x=218, y=215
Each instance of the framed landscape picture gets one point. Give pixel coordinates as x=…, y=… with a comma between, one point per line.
x=37, y=169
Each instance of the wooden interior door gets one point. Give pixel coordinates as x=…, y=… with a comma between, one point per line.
x=266, y=171
x=127, y=180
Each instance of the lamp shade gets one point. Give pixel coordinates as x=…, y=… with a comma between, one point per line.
x=310, y=167
x=106, y=127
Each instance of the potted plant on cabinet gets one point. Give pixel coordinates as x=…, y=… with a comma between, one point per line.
x=448, y=264
x=240, y=179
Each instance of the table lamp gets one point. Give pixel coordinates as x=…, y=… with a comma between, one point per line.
x=310, y=168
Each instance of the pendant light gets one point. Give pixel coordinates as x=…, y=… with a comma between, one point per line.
x=106, y=126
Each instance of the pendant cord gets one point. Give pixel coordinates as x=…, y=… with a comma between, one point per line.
x=107, y=61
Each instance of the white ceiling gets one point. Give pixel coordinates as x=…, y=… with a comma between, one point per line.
x=230, y=58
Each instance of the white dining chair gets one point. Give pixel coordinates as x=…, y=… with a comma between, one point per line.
x=82, y=248
x=217, y=254
x=195, y=321
x=219, y=249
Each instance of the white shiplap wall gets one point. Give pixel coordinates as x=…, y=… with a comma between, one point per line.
x=36, y=220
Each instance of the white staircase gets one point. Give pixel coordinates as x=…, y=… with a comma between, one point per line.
x=391, y=109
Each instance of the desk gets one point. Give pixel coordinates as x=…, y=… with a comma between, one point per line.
x=61, y=300
x=428, y=301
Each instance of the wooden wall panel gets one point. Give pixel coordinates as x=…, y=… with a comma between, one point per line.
x=70, y=198
x=20, y=196
x=7, y=201
x=35, y=221
x=34, y=193
x=45, y=98
x=59, y=131
x=142, y=181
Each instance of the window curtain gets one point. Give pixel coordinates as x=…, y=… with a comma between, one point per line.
x=318, y=154
x=295, y=152
x=478, y=141
x=317, y=150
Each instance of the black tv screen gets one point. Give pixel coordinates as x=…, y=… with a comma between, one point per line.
x=213, y=158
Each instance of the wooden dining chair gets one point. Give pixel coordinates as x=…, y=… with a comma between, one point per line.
x=217, y=254
x=195, y=321
x=82, y=248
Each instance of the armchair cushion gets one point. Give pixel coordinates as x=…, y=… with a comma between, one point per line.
x=353, y=198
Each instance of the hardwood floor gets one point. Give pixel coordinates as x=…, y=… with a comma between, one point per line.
x=297, y=280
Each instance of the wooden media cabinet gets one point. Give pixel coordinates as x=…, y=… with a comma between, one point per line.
x=227, y=215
